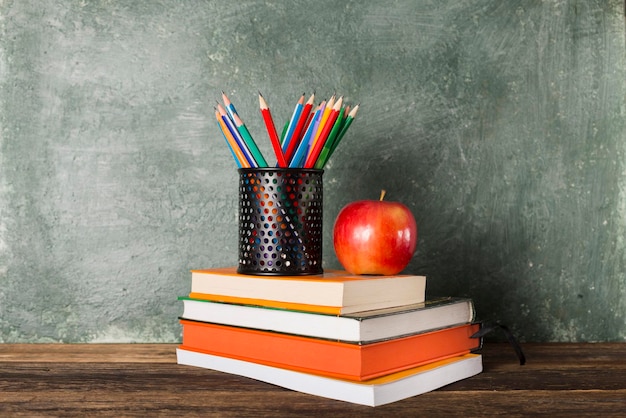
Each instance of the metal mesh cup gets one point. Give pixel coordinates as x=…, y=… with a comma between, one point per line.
x=280, y=221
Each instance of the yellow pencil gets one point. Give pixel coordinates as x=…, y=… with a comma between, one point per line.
x=317, y=147
x=320, y=128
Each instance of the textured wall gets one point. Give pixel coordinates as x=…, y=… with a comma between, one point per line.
x=500, y=123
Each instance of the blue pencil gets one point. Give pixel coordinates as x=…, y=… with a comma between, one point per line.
x=303, y=147
x=230, y=108
x=292, y=123
x=238, y=138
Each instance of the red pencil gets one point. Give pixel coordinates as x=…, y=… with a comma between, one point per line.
x=295, y=138
x=317, y=147
x=271, y=130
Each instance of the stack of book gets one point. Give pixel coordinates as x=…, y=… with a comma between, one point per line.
x=368, y=340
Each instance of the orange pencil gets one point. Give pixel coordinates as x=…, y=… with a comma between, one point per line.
x=271, y=130
x=323, y=135
x=243, y=146
x=243, y=162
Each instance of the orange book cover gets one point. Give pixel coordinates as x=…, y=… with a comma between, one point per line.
x=330, y=358
x=333, y=310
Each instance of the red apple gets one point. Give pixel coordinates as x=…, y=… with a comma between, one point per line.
x=375, y=237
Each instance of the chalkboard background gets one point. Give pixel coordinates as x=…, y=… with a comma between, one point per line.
x=499, y=123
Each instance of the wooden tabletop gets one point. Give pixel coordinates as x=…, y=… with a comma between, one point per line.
x=144, y=380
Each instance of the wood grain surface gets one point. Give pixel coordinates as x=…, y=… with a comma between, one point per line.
x=144, y=380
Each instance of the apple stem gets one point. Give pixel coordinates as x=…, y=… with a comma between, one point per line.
x=382, y=194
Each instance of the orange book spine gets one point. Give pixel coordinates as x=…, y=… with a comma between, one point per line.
x=329, y=358
x=333, y=310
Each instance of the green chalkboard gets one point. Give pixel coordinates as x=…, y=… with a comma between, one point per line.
x=500, y=124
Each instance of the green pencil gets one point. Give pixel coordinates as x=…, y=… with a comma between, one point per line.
x=324, y=154
x=341, y=133
x=245, y=134
x=283, y=133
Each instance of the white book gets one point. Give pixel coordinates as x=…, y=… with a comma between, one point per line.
x=374, y=392
x=334, y=291
x=364, y=327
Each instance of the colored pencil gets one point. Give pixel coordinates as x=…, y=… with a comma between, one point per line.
x=328, y=147
x=344, y=128
x=326, y=112
x=282, y=135
x=241, y=160
x=229, y=106
x=296, y=137
x=323, y=157
x=230, y=125
x=291, y=126
x=308, y=139
x=303, y=147
x=323, y=136
x=243, y=130
x=229, y=147
x=271, y=130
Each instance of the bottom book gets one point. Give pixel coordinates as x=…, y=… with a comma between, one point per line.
x=374, y=392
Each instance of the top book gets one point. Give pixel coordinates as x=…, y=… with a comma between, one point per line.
x=334, y=291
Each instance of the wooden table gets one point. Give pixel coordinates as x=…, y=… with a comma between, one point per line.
x=144, y=380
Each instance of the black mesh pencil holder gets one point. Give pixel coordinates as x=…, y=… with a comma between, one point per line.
x=280, y=221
